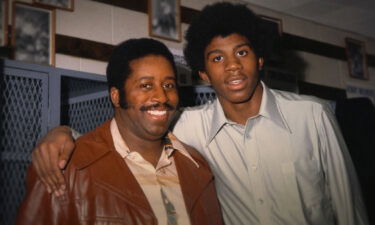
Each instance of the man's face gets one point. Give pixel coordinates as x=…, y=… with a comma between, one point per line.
x=231, y=67
x=151, y=98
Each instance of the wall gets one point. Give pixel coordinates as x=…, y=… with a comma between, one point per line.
x=320, y=69
x=105, y=23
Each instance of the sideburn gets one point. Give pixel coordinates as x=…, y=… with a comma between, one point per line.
x=122, y=99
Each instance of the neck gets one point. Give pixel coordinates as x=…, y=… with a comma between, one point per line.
x=149, y=149
x=240, y=112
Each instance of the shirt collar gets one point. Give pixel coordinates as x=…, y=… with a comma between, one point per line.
x=218, y=120
x=175, y=144
x=172, y=144
x=269, y=108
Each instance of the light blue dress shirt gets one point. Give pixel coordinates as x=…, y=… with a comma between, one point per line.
x=288, y=165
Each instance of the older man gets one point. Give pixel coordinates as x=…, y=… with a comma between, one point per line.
x=131, y=170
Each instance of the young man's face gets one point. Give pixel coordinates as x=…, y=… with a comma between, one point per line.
x=151, y=97
x=231, y=67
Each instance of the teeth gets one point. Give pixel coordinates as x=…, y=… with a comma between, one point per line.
x=235, y=81
x=157, y=112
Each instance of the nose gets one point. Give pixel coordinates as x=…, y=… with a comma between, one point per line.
x=160, y=95
x=233, y=64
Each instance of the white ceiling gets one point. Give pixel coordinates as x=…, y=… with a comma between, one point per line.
x=356, y=16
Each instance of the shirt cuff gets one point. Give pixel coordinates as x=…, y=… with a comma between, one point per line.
x=75, y=134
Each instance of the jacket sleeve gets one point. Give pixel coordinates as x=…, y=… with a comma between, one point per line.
x=40, y=207
x=340, y=174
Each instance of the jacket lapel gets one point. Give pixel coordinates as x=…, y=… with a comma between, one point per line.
x=110, y=170
x=191, y=185
x=113, y=174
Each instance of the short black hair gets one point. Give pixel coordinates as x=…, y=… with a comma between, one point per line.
x=220, y=19
x=118, y=68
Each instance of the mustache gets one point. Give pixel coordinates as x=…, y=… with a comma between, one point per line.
x=157, y=105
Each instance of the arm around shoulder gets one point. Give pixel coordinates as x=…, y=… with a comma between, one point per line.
x=50, y=156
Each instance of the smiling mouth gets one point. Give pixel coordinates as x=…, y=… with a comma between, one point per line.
x=158, y=107
x=157, y=113
x=235, y=81
x=236, y=84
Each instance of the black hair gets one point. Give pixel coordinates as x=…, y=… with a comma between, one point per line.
x=118, y=69
x=220, y=19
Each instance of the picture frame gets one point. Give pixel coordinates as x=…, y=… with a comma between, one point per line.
x=33, y=33
x=272, y=24
x=58, y=4
x=165, y=19
x=357, y=60
x=4, y=22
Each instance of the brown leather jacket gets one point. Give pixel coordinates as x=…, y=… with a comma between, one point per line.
x=102, y=190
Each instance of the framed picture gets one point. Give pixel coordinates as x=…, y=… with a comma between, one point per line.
x=4, y=22
x=59, y=4
x=33, y=34
x=164, y=19
x=357, y=61
x=273, y=24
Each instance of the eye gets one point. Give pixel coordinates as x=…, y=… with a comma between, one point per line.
x=217, y=58
x=169, y=85
x=242, y=53
x=145, y=86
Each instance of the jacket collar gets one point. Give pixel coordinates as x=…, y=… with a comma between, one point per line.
x=172, y=143
x=100, y=142
x=269, y=108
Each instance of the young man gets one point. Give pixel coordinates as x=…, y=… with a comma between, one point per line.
x=131, y=170
x=278, y=157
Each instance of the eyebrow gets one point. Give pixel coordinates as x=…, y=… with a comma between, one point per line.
x=171, y=78
x=151, y=78
x=235, y=48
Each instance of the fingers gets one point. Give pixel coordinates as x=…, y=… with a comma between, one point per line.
x=55, y=173
x=42, y=164
x=38, y=168
x=50, y=156
x=65, y=153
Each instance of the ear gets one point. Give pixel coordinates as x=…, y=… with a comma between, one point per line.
x=115, y=96
x=260, y=63
x=204, y=76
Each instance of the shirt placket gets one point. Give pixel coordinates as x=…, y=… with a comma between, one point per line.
x=255, y=171
x=157, y=173
x=168, y=205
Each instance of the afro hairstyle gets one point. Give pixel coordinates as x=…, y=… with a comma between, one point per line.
x=221, y=19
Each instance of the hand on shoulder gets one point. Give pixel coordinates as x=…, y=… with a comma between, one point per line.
x=50, y=157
